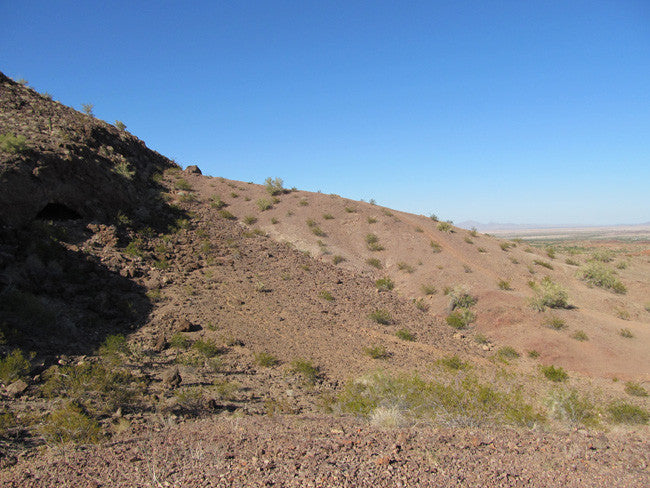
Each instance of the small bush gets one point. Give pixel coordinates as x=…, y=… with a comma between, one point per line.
x=453, y=363
x=428, y=289
x=420, y=304
x=444, y=227
x=372, y=220
x=384, y=284
x=580, y=335
x=505, y=246
x=569, y=405
x=627, y=333
x=113, y=347
x=119, y=125
x=597, y=274
x=124, y=170
x=179, y=341
x=635, y=389
x=481, y=339
x=13, y=367
x=460, y=318
x=481, y=249
x=350, y=210
x=250, y=220
x=402, y=266
x=372, y=241
x=435, y=247
x=305, y=369
x=468, y=240
x=544, y=264
x=337, y=258
x=555, y=323
x=621, y=412
x=266, y=359
x=207, y=348
x=405, y=335
x=88, y=109
x=381, y=316
x=550, y=294
x=182, y=184
x=225, y=214
x=274, y=186
x=326, y=295
x=317, y=231
x=533, y=354
x=507, y=352
x=554, y=374
x=602, y=255
x=264, y=204
x=550, y=252
x=571, y=262
x=459, y=297
x=376, y=352
x=504, y=285
x=70, y=424
x=328, y=216
x=374, y=262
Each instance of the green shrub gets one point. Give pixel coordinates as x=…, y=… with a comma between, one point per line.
x=134, y=248
x=250, y=220
x=317, y=231
x=428, y=289
x=326, y=295
x=550, y=294
x=381, y=316
x=580, y=335
x=182, y=184
x=328, y=216
x=120, y=125
x=570, y=406
x=507, y=352
x=274, y=186
x=305, y=369
x=505, y=246
x=372, y=220
x=533, y=354
x=459, y=297
x=544, y=264
x=70, y=424
x=264, y=204
x=571, y=262
x=550, y=252
x=554, y=374
x=124, y=170
x=444, y=227
x=555, y=323
x=13, y=367
x=350, y=210
x=481, y=339
x=266, y=359
x=225, y=214
x=376, y=352
x=597, y=274
x=621, y=412
x=405, y=335
x=374, y=262
x=420, y=304
x=113, y=347
x=481, y=249
x=602, y=255
x=402, y=266
x=453, y=363
x=88, y=109
x=179, y=341
x=635, y=389
x=627, y=333
x=504, y=285
x=435, y=247
x=465, y=403
x=372, y=241
x=337, y=258
x=460, y=318
x=206, y=347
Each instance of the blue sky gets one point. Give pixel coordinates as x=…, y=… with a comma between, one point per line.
x=507, y=111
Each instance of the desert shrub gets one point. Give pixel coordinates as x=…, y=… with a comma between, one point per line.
x=554, y=374
x=597, y=274
x=317, y=231
x=206, y=347
x=435, y=247
x=135, y=248
x=602, y=255
x=621, y=412
x=98, y=389
x=372, y=220
x=504, y=285
x=190, y=400
x=374, y=262
x=70, y=424
x=328, y=216
x=550, y=252
x=305, y=369
x=274, y=186
x=13, y=367
x=326, y=295
x=264, y=204
x=402, y=266
x=381, y=316
x=250, y=220
x=386, y=212
x=376, y=352
x=544, y=264
x=623, y=314
x=337, y=258
x=420, y=304
x=580, y=335
x=119, y=125
x=481, y=339
x=459, y=297
x=571, y=262
x=405, y=335
x=533, y=354
x=124, y=169
x=507, y=352
x=551, y=295
x=182, y=184
x=635, y=389
x=88, y=109
x=465, y=403
x=113, y=348
x=626, y=333
x=460, y=318
x=266, y=359
x=468, y=240
x=481, y=249
x=570, y=406
x=505, y=246
x=350, y=210
x=179, y=341
x=384, y=284
x=622, y=265
x=444, y=227
x=555, y=323
x=225, y=214
x=428, y=289
x=372, y=241
x=274, y=220
x=453, y=363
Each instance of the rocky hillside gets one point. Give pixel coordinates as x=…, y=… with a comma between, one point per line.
x=287, y=338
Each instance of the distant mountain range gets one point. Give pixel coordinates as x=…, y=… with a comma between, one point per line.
x=494, y=226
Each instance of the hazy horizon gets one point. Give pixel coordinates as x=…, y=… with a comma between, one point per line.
x=510, y=112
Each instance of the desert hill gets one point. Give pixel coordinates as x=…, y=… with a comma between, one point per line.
x=257, y=330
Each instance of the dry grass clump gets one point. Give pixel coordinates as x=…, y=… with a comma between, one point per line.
x=305, y=369
x=553, y=373
x=374, y=262
x=381, y=316
x=13, y=367
x=377, y=351
x=266, y=359
x=384, y=284
x=405, y=335
x=621, y=412
x=372, y=242
x=635, y=389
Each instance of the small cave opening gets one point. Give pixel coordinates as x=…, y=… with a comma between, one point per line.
x=57, y=211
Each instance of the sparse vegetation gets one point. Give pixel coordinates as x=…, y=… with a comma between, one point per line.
x=225, y=214
x=376, y=352
x=328, y=216
x=551, y=295
x=444, y=227
x=337, y=258
x=504, y=285
x=384, y=284
x=88, y=109
x=597, y=274
x=13, y=366
x=70, y=424
x=420, y=304
x=264, y=204
x=453, y=363
x=374, y=262
x=372, y=241
x=580, y=335
x=119, y=125
x=326, y=295
x=507, y=352
x=428, y=289
x=402, y=266
x=554, y=374
x=266, y=359
x=183, y=185
x=626, y=333
x=459, y=297
x=250, y=220
x=602, y=255
x=621, y=412
x=571, y=406
x=350, y=210
x=554, y=322
x=12, y=144
x=505, y=246
x=460, y=318
x=435, y=247
x=635, y=389
x=305, y=369
x=274, y=186
x=544, y=264
x=381, y=316
x=405, y=335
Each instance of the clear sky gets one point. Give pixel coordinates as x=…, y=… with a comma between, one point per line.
x=506, y=111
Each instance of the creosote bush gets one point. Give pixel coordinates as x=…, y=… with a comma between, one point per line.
x=460, y=318
x=266, y=359
x=551, y=295
x=70, y=424
x=460, y=297
x=381, y=316
x=264, y=204
x=621, y=412
x=465, y=403
x=597, y=274
x=372, y=241
x=376, y=352
x=374, y=262
x=305, y=369
x=12, y=144
x=274, y=186
x=570, y=406
x=405, y=335
x=13, y=366
x=553, y=373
